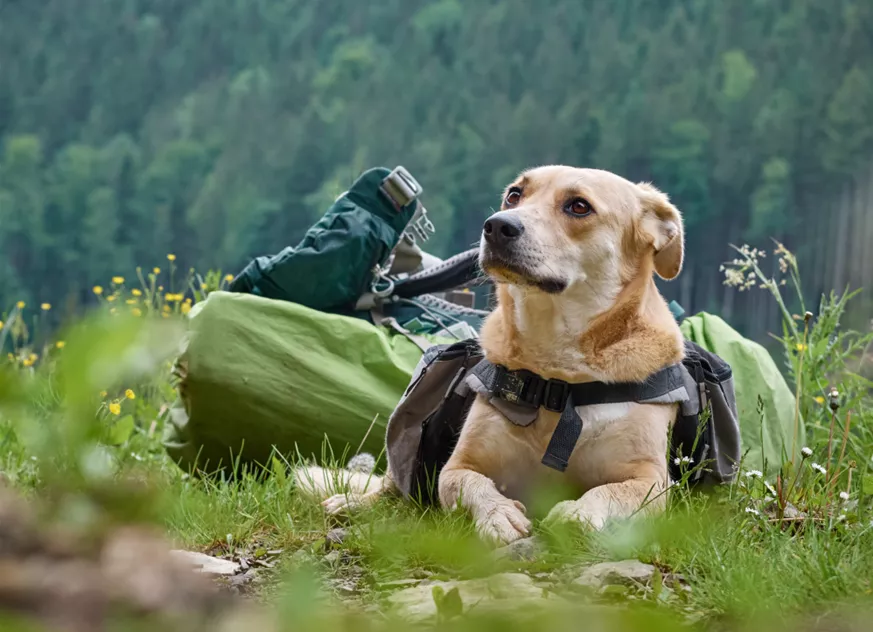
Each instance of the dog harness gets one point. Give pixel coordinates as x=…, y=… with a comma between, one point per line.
x=519, y=395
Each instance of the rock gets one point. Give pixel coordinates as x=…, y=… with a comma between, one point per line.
x=626, y=572
x=335, y=537
x=498, y=592
x=526, y=549
x=206, y=564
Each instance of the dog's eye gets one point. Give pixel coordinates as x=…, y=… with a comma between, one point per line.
x=513, y=197
x=578, y=207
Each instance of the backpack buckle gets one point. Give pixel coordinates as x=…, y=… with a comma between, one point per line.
x=400, y=187
x=555, y=396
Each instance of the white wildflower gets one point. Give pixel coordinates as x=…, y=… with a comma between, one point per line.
x=844, y=495
x=806, y=452
x=754, y=474
x=770, y=488
x=685, y=459
x=841, y=517
x=818, y=468
x=753, y=511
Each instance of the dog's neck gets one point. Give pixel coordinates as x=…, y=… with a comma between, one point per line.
x=586, y=333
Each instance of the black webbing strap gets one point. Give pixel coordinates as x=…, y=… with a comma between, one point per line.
x=528, y=389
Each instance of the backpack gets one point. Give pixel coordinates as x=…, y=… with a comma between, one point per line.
x=424, y=427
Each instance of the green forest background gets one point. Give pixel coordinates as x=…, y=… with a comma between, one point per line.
x=219, y=130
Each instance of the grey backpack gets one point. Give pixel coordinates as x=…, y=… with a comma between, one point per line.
x=424, y=427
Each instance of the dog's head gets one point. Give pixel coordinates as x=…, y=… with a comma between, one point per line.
x=559, y=227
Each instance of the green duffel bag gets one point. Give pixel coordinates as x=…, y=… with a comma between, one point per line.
x=257, y=373
x=765, y=403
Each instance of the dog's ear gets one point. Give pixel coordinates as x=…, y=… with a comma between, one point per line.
x=661, y=226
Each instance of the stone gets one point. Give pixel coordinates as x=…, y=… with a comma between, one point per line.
x=335, y=537
x=498, y=592
x=626, y=572
x=206, y=564
x=526, y=549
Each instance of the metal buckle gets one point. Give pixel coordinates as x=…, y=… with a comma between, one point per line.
x=400, y=187
x=555, y=396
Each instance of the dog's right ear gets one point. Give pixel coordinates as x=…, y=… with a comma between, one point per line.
x=662, y=229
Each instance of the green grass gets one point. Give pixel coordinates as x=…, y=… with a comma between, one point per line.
x=72, y=434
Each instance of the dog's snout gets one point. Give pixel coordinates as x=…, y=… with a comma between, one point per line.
x=502, y=228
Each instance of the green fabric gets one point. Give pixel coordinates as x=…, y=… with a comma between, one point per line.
x=259, y=372
x=332, y=266
x=765, y=433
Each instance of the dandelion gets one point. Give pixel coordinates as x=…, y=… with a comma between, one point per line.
x=806, y=452
x=97, y=290
x=129, y=394
x=834, y=399
x=156, y=270
x=754, y=474
x=45, y=307
x=171, y=257
x=186, y=308
x=818, y=468
x=136, y=292
x=20, y=304
x=136, y=311
x=819, y=400
x=753, y=511
x=118, y=280
x=60, y=344
x=228, y=278
x=844, y=495
x=115, y=408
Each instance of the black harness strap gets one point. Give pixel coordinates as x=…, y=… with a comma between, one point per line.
x=529, y=390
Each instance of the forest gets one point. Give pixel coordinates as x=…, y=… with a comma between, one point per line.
x=219, y=130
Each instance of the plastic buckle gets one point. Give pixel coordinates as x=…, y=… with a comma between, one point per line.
x=420, y=227
x=519, y=387
x=555, y=396
x=400, y=187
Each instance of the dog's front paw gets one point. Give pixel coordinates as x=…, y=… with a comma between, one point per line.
x=577, y=511
x=504, y=523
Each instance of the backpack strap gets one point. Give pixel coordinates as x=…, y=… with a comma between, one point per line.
x=529, y=390
x=454, y=272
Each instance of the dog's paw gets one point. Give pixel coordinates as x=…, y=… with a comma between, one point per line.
x=504, y=523
x=341, y=504
x=577, y=511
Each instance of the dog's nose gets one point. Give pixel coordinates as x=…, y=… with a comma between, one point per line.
x=502, y=228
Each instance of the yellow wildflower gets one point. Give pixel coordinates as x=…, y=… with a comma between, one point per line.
x=136, y=311
x=111, y=298
x=156, y=270
x=10, y=357
x=228, y=278
x=60, y=344
x=45, y=307
x=27, y=362
x=118, y=280
x=103, y=394
x=165, y=315
x=165, y=308
x=819, y=400
x=160, y=288
x=129, y=394
x=98, y=290
x=174, y=298
x=1, y=324
x=113, y=311
x=115, y=408
x=33, y=357
x=136, y=292
x=171, y=257
x=188, y=300
x=801, y=347
x=20, y=304
x=186, y=308
x=131, y=301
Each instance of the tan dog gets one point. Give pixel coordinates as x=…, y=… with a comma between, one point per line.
x=573, y=252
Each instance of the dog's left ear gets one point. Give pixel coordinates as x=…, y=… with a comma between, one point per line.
x=662, y=228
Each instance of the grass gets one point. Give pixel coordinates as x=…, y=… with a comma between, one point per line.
x=81, y=426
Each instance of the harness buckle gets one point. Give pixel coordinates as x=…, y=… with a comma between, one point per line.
x=555, y=396
x=519, y=387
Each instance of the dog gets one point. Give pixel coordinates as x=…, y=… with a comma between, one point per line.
x=573, y=253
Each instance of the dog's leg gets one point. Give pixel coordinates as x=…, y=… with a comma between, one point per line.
x=497, y=517
x=614, y=500
x=356, y=500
